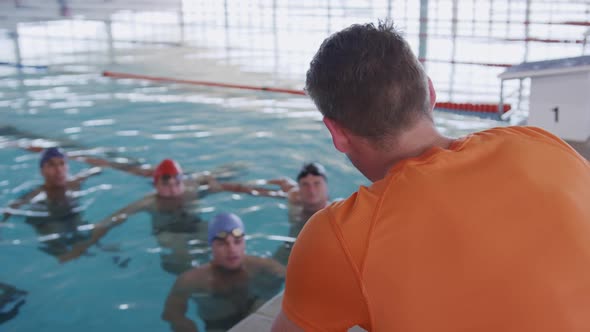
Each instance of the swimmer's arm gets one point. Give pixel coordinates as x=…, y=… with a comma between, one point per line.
x=254, y=191
x=104, y=226
x=177, y=305
x=19, y=202
x=135, y=168
x=293, y=196
x=286, y=184
x=211, y=185
x=85, y=174
x=289, y=189
x=121, y=215
x=295, y=207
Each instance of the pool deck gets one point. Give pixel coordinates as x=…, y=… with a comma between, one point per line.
x=582, y=147
x=262, y=319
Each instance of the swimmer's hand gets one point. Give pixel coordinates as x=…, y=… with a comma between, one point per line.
x=76, y=252
x=212, y=184
x=94, y=170
x=93, y=161
x=285, y=183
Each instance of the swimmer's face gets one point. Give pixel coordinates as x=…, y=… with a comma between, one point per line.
x=229, y=252
x=313, y=191
x=55, y=172
x=170, y=186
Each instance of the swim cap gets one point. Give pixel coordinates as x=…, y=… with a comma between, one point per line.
x=225, y=224
x=167, y=167
x=50, y=153
x=312, y=168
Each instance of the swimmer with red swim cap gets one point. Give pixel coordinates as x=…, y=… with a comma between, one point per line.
x=168, y=179
x=174, y=221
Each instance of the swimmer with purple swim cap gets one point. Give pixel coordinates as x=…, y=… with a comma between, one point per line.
x=226, y=238
x=58, y=197
x=228, y=288
x=57, y=183
x=54, y=168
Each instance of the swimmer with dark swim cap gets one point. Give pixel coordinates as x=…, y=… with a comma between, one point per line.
x=50, y=153
x=307, y=195
x=57, y=201
x=230, y=287
x=53, y=166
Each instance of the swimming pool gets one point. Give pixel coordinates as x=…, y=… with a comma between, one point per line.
x=269, y=135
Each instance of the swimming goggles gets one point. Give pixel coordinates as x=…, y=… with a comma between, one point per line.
x=165, y=178
x=236, y=232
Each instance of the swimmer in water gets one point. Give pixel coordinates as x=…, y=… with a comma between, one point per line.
x=228, y=288
x=174, y=215
x=54, y=209
x=306, y=196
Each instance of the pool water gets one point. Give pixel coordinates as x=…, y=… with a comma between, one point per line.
x=265, y=135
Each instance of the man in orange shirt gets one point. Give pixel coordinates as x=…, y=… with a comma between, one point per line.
x=489, y=232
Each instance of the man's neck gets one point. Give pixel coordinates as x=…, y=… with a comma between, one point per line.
x=412, y=143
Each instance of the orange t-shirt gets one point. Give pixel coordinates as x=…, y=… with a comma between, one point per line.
x=492, y=234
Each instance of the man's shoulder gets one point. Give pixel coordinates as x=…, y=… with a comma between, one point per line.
x=519, y=132
x=362, y=202
x=531, y=138
x=341, y=219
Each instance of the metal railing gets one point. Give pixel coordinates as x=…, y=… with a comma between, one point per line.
x=464, y=45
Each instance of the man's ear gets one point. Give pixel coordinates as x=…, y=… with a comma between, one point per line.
x=340, y=136
x=432, y=93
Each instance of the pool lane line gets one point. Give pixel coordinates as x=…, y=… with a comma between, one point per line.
x=20, y=65
x=203, y=83
x=486, y=110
